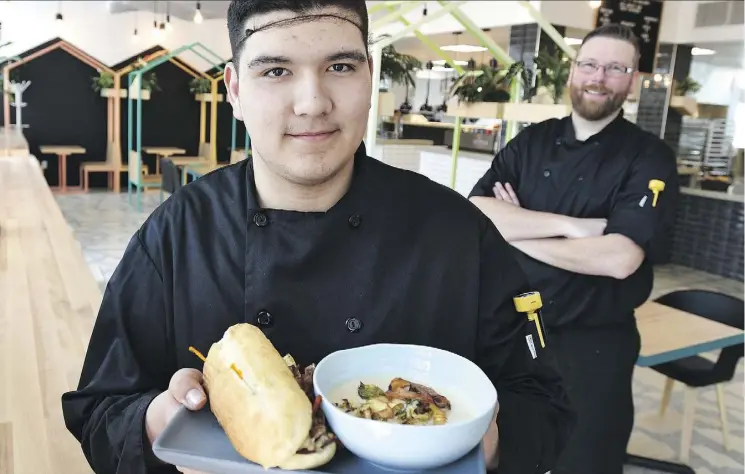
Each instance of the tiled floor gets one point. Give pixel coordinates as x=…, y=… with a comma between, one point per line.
x=104, y=223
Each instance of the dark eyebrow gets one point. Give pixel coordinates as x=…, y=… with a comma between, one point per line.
x=266, y=59
x=355, y=56
x=262, y=60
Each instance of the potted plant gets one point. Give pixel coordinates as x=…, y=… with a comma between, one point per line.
x=481, y=93
x=519, y=71
x=681, y=100
x=543, y=88
x=149, y=81
x=552, y=72
x=104, y=84
x=201, y=87
x=397, y=68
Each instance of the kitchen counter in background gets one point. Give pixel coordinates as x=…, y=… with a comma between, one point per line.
x=708, y=232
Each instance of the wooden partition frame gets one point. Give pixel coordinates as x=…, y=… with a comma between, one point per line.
x=68, y=48
x=134, y=146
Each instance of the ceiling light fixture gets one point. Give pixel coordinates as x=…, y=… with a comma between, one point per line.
x=702, y=52
x=169, y=27
x=198, y=14
x=463, y=48
x=441, y=62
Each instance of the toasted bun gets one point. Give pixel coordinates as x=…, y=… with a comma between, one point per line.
x=266, y=415
x=310, y=461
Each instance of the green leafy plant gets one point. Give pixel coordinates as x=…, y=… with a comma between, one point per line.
x=687, y=85
x=104, y=80
x=552, y=72
x=482, y=85
x=398, y=67
x=200, y=85
x=149, y=80
x=520, y=72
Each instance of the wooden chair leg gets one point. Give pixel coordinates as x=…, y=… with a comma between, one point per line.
x=666, y=392
x=723, y=416
x=689, y=413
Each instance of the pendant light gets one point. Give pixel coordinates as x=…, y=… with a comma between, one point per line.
x=198, y=14
x=58, y=16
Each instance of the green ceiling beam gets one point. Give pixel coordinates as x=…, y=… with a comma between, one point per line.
x=549, y=29
x=487, y=41
x=394, y=15
x=382, y=5
x=431, y=45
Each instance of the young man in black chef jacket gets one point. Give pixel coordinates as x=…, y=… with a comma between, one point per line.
x=319, y=245
x=582, y=200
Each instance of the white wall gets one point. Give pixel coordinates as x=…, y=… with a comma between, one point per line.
x=718, y=84
x=105, y=36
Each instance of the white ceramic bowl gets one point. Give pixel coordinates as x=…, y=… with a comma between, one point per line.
x=407, y=447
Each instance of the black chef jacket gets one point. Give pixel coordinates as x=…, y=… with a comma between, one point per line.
x=397, y=259
x=606, y=176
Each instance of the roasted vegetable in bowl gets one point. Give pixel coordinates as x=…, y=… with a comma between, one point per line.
x=404, y=403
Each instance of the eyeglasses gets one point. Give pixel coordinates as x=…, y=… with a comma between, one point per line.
x=612, y=70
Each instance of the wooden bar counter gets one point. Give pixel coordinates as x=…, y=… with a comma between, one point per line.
x=48, y=303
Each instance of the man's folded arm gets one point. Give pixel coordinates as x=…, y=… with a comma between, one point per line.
x=513, y=222
x=516, y=223
x=611, y=255
x=535, y=417
x=639, y=225
x=126, y=365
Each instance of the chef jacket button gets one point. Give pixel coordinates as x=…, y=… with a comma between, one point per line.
x=354, y=221
x=260, y=219
x=546, y=173
x=581, y=178
x=354, y=325
x=264, y=318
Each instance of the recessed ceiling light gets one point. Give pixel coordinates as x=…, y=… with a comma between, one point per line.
x=463, y=48
x=441, y=62
x=702, y=52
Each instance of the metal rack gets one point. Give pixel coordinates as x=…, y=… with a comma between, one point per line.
x=706, y=142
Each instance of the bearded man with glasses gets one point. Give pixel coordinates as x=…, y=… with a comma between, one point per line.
x=588, y=204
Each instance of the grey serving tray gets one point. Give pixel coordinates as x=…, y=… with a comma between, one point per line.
x=196, y=441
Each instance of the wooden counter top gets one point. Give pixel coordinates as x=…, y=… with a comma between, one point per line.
x=48, y=303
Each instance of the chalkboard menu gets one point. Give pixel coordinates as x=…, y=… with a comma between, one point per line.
x=643, y=16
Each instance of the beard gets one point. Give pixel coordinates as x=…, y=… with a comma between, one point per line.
x=596, y=110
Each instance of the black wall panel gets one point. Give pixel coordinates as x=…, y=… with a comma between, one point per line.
x=224, y=127
x=708, y=236
x=169, y=118
x=63, y=109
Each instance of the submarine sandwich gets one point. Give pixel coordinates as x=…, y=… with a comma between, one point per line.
x=265, y=403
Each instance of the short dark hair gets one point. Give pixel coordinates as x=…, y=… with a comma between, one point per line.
x=240, y=10
x=615, y=31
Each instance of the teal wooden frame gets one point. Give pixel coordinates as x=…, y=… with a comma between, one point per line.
x=206, y=54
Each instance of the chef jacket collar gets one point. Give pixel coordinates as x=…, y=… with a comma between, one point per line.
x=568, y=137
x=353, y=194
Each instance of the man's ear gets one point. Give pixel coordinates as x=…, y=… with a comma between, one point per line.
x=231, y=85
